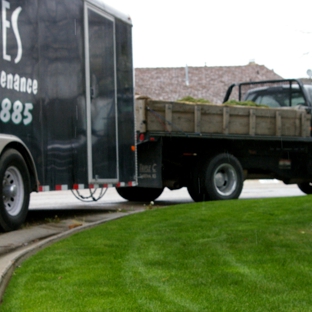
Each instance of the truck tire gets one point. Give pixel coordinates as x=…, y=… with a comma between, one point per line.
x=15, y=190
x=305, y=187
x=139, y=194
x=224, y=177
x=196, y=193
x=195, y=184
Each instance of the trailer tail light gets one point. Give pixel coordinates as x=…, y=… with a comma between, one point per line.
x=141, y=137
x=189, y=154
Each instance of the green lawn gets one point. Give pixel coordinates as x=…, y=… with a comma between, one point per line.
x=243, y=255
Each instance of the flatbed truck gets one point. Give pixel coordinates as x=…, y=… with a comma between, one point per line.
x=212, y=149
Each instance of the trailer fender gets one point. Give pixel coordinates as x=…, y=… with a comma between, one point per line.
x=8, y=141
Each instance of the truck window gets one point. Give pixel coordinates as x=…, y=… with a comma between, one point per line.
x=267, y=100
x=297, y=99
x=277, y=98
x=263, y=99
x=309, y=89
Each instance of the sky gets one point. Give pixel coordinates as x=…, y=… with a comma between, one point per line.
x=170, y=33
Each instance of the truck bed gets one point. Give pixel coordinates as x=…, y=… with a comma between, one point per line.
x=208, y=119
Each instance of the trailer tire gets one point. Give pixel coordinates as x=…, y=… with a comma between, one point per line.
x=139, y=194
x=15, y=190
x=224, y=177
x=305, y=187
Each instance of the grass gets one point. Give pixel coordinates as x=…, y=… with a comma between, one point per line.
x=244, y=103
x=243, y=255
x=190, y=99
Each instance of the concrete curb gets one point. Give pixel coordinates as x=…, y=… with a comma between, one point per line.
x=12, y=260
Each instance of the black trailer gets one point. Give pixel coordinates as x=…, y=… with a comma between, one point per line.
x=66, y=101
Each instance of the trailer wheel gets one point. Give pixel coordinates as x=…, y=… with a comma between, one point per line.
x=305, y=187
x=15, y=190
x=223, y=177
x=139, y=194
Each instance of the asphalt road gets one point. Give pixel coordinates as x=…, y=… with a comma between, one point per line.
x=65, y=199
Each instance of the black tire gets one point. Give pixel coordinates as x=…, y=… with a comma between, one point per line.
x=224, y=177
x=196, y=183
x=305, y=187
x=15, y=190
x=139, y=194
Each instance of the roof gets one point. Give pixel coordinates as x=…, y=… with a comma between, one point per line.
x=210, y=83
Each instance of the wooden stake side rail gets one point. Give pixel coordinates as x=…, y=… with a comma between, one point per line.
x=175, y=117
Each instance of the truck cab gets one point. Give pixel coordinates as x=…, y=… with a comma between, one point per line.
x=288, y=93
x=273, y=93
x=280, y=96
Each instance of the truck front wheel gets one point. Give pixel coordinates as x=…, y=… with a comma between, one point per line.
x=223, y=177
x=139, y=194
x=15, y=190
x=305, y=187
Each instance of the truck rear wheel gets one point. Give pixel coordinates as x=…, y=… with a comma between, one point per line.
x=195, y=184
x=15, y=190
x=305, y=187
x=139, y=194
x=196, y=193
x=223, y=177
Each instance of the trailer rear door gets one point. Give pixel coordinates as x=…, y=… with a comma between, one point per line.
x=101, y=96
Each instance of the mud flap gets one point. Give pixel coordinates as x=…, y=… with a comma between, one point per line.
x=150, y=164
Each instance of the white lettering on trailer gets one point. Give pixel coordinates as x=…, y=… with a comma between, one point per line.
x=14, y=81
x=17, y=83
x=7, y=25
x=15, y=16
x=17, y=113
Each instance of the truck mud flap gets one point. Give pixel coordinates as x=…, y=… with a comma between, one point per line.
x=149, y=164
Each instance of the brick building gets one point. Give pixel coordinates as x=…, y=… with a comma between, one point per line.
x=209, y=83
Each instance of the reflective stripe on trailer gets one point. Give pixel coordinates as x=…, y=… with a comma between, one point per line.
x=61, y=187
x=44, y=188
x=123, y=184
x=64, y=187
